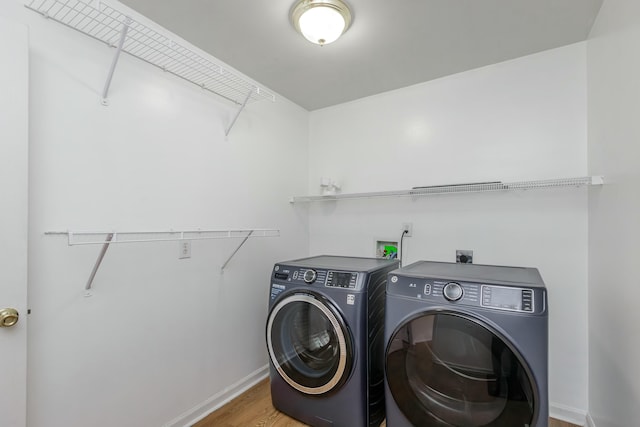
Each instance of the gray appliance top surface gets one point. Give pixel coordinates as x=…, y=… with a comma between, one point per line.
x=473, y=272
x=342, y=263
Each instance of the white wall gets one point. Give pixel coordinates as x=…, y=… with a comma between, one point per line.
x=518, y=120
x=160, y=336
x=614, y=210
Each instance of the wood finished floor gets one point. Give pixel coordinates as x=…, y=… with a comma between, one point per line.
x=253, y=409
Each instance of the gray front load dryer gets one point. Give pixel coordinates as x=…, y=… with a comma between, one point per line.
x=325, y=338
x=466, y=346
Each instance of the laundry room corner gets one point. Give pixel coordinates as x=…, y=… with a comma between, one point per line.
x=517, y=120
x=614, y=230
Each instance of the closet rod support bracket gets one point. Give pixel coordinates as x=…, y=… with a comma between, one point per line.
x=244, y=104
x=103, y=251
x=123, y=35
x=236, y=251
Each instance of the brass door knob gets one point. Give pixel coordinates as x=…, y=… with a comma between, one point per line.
x=8, y=317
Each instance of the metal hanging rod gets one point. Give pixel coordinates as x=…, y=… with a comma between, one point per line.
x=478, y=187
x=107, y=238
x=112, y=27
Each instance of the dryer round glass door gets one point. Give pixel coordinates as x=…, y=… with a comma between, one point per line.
x=309, y=344
x=448, y=369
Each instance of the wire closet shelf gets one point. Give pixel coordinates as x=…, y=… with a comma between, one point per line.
x=112, y=27
x=108, y=237
x=479, y=187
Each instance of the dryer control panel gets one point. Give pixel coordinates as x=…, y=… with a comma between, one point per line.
x=493, y=296
x=508, y=298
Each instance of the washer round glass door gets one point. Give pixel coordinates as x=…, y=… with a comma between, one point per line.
x=448, y=369
x=309, y=344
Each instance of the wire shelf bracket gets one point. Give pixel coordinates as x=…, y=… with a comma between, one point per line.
x=96, y=266
x=236, y=251
x=106, y=239
x=123, y=35
x=233, y=122
x=116, y=29
x=478, y=187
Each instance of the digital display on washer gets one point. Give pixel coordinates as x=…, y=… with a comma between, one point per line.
x=340, y=279
x=516, y=299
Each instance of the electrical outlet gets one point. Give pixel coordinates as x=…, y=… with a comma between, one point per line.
x=185, y=249
x=408, y=227
x=464, y=256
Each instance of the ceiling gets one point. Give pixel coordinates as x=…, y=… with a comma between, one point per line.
x=391, y=44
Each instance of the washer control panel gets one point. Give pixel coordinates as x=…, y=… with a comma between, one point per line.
x=349, y=280
x=342, y=279
x=491, y=296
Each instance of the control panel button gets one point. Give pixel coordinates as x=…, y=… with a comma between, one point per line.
x=527, y=300
x=310, y=276
x=452, y=291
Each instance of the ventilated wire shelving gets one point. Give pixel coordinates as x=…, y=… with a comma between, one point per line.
x=478, y=187
x=102, y=237
x=114, y=28
x=106, y=238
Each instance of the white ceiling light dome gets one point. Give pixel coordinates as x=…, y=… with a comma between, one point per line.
x=321, y=21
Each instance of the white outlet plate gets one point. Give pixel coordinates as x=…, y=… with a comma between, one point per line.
x=185, y=249
x=408, y=226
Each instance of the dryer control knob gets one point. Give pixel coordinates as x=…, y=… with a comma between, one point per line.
x=452, y=291
x=310, y=276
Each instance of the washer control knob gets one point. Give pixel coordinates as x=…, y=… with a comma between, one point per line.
x=452, y=291
x=310, y=276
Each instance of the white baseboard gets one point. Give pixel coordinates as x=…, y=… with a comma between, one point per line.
x=568, y=414
x=190, y=417
x=218, y=400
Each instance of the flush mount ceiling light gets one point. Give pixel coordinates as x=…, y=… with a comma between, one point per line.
x=321, y=21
